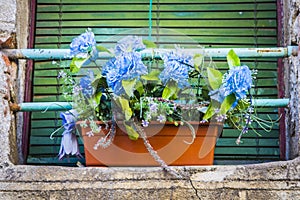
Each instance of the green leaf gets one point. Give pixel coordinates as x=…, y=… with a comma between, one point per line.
x=77, y=63
x=243, y=105
x=214, y=78
x=169, y=90
x=166, y=93
x=98, y=97
x=133, y=135
x=152, y=76
x=209, y=112
x=198, y=61
x=149, y=44
x=139, y=87
x=124, y=104
x=232, y=59
x=227, y=103
x=128, y=86
x=102, y=49
x=96, y=80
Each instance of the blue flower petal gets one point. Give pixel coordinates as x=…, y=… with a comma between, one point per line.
x=127, y=66
x=69, y=145
x=86, y=84
x=69, y=119
x=83, y=43
x=129, y=44
x=237, y=81
x=177, y=66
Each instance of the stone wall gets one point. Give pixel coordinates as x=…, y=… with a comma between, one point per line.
x=277, y=180
x=8, y=77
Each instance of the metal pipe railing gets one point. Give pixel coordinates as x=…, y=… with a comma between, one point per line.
x=54, y=54
x=63, y=106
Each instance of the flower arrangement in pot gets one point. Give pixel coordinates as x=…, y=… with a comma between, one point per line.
x=118, y=103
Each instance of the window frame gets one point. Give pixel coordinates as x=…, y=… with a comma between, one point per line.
x=29, y=84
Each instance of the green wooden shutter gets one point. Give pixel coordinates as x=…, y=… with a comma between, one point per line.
x=211, y=23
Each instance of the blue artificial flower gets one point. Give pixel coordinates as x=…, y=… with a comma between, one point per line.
x=153, y=107
x=76, y=90
x=145, y=123
x=218, y=94
x=109, y=65
x=86, y=85
x=84, y=44
x=129, y=44
x=62, y=74
x=69, y=119
x=161, y=118
x=237, y=81
x=69, y=143
x=177, y=66
x=221, y=117
x=127, y=66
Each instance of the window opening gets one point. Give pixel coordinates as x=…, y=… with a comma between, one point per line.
x=65, y=31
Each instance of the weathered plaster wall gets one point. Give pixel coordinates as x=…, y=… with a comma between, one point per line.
x=8, y=145
x=277, y=180
x=14, y=14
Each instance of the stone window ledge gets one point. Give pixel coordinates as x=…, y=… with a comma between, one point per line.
x=276, y=179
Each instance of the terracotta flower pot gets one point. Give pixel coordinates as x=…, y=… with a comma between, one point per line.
x=172, y=144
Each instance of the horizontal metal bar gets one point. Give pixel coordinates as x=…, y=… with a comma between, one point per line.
x=276, y=103
x=38, y=54
x=41, y=106
x=63, y=106
x=54, y=54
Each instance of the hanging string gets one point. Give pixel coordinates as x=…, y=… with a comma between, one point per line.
x=157, y=23
x=150, y=21
x=255, y=68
